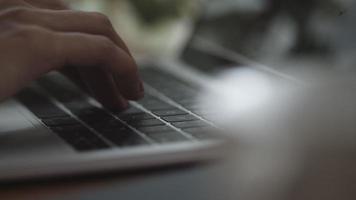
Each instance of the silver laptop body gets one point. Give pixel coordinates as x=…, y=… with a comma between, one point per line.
x=52, y=128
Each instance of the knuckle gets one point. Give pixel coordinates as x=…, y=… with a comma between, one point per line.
x=8, y=26
x=34, y=41
x=16, y=14
x=110, y=52
x=108, y=48
x=102, y=24
x=129, y=69
x=108, y=45
x=27, y=32
x=102, y=18
x=24, y=32
x=32, y=36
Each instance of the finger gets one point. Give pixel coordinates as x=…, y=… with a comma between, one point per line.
x=36, y=16
x=13, y=4
x=71, y=71
x=72, y=21
x=73, y=74
x=48, y=50
x=78, y=49
x=103, y=87
x=68, y=21
x=48, y=4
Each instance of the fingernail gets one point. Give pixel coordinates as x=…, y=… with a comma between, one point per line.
x=119, y=104
x=124, y=104
x=141, y=88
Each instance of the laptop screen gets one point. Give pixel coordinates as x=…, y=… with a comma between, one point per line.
x=277, y=33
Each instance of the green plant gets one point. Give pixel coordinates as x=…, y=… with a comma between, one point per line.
x=155, y=11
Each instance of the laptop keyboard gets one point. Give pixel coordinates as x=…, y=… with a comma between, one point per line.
x=167, y=117
x=64, y=125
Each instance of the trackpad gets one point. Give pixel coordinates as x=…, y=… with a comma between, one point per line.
x=21, y=135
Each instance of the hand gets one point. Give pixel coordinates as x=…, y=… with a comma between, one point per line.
x=38, y=36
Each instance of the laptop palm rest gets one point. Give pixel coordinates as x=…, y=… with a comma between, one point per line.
x=23, y=137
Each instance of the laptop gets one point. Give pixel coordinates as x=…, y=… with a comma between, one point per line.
x=52, y=128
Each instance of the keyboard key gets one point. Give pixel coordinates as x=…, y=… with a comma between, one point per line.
x=99, y=116
x=67, y=128
x=149, y=99
x=187, y=102
x=123, y=136
x=135, y=117
x=190, y=124
x=147, y=122
x=88, y=111
x=180, y=118
x=131, y=110
x=193, y=107
x=162, y=106
x=207, y=113
x=39, y=105
x=153, y=103
x=166, y=137
x=80, y=138
x=78, y=104
x=155, y=129
x=169, y=112
x=106, y=124
x=52, y=122
x=61, y=89
x=179, y=94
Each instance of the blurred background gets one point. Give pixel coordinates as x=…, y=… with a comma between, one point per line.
x=150, y=27
x=281, y=33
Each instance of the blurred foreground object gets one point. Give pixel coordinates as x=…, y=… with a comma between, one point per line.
x=297, y=138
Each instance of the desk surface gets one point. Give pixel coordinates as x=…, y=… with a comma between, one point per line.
x=203, y=181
